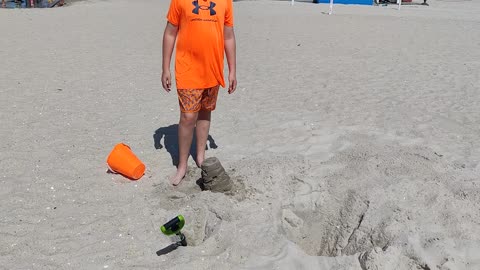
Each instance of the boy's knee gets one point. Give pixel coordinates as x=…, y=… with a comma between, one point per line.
x=188, y=119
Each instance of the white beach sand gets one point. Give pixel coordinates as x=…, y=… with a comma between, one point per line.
x=353, y=140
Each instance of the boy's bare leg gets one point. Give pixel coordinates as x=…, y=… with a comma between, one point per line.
x=185, y=136
x=203, y=127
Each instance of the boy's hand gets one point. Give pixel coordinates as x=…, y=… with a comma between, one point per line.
x=167, y=80
x=232, y=83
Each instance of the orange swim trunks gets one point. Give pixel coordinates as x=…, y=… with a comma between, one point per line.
x=194, y=100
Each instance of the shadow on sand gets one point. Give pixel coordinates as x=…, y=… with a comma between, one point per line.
x=169, y=135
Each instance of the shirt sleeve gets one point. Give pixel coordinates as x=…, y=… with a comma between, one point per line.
x=229, y=14
x=173, y=15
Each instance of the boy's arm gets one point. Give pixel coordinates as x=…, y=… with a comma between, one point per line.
x=230, y=52
x=169, y=37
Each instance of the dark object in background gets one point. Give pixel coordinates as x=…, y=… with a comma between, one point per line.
x=13, y=3
x=31, y=3
x=386, y=2
x=48, y=3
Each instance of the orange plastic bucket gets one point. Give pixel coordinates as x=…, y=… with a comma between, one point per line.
x=123, y=161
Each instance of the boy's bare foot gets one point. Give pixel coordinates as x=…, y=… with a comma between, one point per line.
x=178, y=177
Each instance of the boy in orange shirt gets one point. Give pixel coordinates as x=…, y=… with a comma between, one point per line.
x=203, y=31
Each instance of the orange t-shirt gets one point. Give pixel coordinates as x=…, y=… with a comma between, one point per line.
x=200, y=44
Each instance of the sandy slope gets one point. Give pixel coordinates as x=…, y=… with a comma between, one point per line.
x=353, y=140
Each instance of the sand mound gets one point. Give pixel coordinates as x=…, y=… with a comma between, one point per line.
x=381, y=198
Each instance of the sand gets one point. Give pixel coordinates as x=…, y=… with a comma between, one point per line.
x=352, y=140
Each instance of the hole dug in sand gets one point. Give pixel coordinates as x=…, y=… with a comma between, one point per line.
x=390, y=206
x=203, y=224
x=334, y=228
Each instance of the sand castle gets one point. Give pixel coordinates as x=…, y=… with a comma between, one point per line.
x=214, y=177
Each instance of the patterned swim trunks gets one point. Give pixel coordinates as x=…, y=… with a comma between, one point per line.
x=194, y=100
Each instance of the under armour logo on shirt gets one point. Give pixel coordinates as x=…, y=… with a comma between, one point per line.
x=197, y=8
